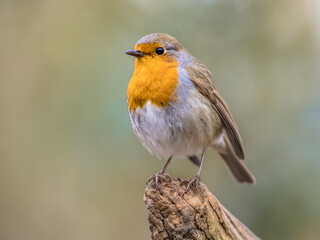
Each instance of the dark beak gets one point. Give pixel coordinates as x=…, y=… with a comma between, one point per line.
x=135, y=53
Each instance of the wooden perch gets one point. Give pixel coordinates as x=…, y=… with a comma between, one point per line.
x=196, y=215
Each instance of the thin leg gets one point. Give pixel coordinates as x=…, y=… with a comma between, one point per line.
x=196, y=179
x=166, y=165
x=202, y=158
x=160, y=173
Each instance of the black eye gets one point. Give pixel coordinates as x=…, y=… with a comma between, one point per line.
x=159, y=51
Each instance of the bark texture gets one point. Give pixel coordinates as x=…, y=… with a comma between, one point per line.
x=196, y=215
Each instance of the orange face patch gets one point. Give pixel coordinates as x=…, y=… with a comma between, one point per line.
x=154, y=79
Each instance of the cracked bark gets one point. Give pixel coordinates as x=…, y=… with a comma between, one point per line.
x=197, y=215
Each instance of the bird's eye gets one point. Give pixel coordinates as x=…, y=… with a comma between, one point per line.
x=159, y=51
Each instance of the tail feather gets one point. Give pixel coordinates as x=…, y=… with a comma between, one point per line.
x=236, y=165
x=195, y=160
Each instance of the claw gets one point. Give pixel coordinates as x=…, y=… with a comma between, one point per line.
x=195, y=180
x=156, y=176
x=151, y=178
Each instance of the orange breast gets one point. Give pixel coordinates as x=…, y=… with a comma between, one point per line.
x=154, y=79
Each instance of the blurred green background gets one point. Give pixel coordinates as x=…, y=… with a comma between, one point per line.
x=70, y=165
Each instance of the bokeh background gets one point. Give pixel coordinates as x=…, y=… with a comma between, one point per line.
x=70, y=165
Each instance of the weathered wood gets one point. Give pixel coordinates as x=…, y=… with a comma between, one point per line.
x=196, y=215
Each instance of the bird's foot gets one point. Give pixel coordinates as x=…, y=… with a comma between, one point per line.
x=157, y=177
x=195, y=180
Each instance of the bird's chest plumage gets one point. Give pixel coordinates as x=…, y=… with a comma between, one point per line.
x=180, y=128
x=154, y=80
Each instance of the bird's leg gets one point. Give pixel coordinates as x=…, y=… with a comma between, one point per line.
x=196, y=179
x=162, y=172
x=166, y=165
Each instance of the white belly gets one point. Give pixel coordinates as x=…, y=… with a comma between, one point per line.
x=181, y=129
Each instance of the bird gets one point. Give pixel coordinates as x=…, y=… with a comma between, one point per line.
x=176, y=110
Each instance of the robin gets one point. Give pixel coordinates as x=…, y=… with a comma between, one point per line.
x=176, y=111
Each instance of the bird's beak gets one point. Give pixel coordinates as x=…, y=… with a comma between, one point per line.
x=135, y=53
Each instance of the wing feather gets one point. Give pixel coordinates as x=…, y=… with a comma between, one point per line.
x=202, y=79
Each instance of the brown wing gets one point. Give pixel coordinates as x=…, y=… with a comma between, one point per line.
x=202, y=79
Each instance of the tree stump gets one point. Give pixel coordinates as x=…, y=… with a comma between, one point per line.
x=196, y=215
